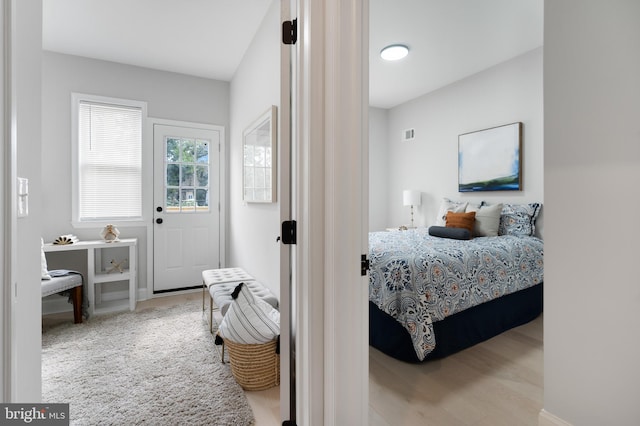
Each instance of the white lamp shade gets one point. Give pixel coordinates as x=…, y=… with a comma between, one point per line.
x=411, y=197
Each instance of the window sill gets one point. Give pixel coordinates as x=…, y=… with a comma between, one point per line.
x=117, y=223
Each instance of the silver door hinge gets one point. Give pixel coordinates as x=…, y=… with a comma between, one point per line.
x=290, y=32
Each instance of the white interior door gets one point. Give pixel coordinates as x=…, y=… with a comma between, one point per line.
x=332, y=373
x=186, y=196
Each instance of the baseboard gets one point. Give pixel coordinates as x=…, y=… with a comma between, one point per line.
x=547, y=419
x=56, y=303
x=110, y=296
x=142, y=294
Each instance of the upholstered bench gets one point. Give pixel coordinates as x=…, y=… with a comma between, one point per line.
x=212, y=277
x=71, y=282
x=221, y=294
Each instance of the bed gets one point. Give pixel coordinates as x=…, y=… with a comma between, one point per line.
x=430, y=296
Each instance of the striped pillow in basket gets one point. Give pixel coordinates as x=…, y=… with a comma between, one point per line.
x=249, y=319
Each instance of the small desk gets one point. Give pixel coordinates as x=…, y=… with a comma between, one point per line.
x=97, y=275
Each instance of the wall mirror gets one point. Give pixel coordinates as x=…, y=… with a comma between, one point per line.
x=259, y=159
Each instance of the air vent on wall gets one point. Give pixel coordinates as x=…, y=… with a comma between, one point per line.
x=408, y=135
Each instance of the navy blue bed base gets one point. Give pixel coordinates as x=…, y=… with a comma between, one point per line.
x=460, y=330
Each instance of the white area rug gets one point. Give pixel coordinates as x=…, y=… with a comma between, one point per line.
x=157, y=366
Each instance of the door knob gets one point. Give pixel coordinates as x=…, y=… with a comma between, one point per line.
x=158, y=209
x=159, y=220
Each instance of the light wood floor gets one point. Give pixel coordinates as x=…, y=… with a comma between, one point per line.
x=498, y=382
x=495, y=383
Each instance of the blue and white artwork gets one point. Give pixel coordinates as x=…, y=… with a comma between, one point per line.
x=489, y=160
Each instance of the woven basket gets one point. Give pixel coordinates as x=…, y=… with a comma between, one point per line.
x=254, y=366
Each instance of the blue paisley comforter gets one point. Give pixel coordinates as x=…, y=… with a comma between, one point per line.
x=419, y=279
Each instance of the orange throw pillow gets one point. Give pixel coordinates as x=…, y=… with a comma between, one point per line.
x=461, y=220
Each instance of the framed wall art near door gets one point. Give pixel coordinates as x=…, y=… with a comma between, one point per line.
x=490, y=159
x=259, y=159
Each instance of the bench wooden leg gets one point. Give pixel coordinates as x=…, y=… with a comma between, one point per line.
x=211, y=315
x=76, y=298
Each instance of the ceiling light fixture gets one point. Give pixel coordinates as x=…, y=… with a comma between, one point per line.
x=394, y=52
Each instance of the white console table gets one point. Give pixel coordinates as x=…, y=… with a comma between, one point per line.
x=98, y=274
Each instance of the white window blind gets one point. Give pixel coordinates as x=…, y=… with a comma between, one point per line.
x=109, y=161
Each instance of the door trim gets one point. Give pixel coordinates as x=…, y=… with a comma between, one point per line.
x=288, y=69
x=8, y=230
x=148, y=180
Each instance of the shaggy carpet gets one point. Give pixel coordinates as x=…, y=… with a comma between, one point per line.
x=157, y=366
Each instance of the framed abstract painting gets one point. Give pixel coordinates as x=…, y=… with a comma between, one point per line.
x=490, y=159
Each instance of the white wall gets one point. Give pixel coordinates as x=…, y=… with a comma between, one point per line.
x=505, y=93
x=169, y=96
x=379, y=169
x=255, y=87
x=592, y=170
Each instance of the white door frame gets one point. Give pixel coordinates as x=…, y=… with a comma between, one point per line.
x=7, y=170
x=148, y=181
x=288, y=72
x=332, y=302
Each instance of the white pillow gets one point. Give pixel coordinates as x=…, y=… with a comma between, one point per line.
x=487, y=220
x=448, y=205
x=249, y=319
x=43, y=262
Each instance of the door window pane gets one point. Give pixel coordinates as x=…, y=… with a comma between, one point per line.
x=187, y=183
x=173, y=175
x=202, y=197
x=187, y=172
x=173, y=149
x=202, y=175
x=187, y=200
x=188, y=150
x=173, y=199
x=202, y=152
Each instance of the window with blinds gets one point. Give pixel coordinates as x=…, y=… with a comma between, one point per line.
x=109, y=160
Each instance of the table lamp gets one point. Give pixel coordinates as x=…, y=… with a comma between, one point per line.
x=411, y=197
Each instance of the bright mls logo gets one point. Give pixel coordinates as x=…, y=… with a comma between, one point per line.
x=37, y=414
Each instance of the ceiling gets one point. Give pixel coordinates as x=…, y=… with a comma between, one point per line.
x=448, y=39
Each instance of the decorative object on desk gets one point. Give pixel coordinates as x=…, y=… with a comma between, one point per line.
x=411, y=197
x=116, y=266
x=66, y=239
x=110, y=233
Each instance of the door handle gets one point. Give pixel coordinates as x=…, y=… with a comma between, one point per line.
x=159, y=220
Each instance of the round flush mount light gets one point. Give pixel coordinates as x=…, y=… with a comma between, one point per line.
x=394, y=52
